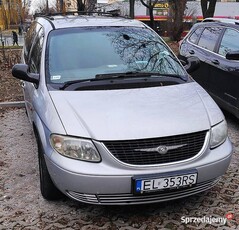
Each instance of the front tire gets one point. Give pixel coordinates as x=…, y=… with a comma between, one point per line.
x=48, y=190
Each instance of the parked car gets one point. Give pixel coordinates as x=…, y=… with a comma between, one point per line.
x=117, y=118
x=226, y=20
x=216, y=45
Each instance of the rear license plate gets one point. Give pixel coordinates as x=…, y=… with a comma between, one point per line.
x=158, y=183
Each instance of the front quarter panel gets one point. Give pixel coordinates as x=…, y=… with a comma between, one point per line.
x=44, y=116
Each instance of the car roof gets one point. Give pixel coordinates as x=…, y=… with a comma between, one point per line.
x=71, y=21
x=214, y=23
x=223, y=20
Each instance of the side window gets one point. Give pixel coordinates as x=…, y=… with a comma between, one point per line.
x=30, y=35
x=195, y=35
x=35, y=55
x=229, y=42
x=209, y=37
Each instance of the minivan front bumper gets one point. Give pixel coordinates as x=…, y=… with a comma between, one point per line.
x=102, y=183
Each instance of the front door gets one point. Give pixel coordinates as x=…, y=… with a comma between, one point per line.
x=226, y=72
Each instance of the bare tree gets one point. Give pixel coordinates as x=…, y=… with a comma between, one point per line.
x=61, y=3
x=81, y=5
x=150, y=6
x=4, y=17
x=12, y=13
x=143, y=51
x=91, y=5
x=177, y=8
x=131, y=8
x=208, y=8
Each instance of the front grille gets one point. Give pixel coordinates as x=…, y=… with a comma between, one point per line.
x=139, y=152
x=129, y=199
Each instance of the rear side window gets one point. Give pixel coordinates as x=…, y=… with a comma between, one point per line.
x=229, y=42
x=35, y=53
x=195, y=35
x=29, y=39
x=209, y=37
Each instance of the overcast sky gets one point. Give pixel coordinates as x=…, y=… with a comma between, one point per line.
x=37, y=3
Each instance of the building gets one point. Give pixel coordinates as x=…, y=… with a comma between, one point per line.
x=71, y=5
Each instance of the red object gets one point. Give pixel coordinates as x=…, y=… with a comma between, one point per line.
x=165, y=18
x=229, y=216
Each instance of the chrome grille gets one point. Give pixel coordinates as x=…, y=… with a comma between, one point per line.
x=135, y=151
x=128, y=198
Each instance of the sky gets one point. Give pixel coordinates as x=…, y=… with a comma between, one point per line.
x=36, y=3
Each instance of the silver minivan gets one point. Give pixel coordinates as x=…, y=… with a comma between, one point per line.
x=117, y=118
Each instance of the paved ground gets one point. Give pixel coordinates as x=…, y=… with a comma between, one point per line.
x=8, y=40
x=22, y=207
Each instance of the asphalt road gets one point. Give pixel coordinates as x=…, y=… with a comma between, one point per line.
x=22, y=206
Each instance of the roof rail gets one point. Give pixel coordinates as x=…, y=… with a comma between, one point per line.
x=113, y=13
x=222, y=20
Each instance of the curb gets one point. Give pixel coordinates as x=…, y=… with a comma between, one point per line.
x=18, y=104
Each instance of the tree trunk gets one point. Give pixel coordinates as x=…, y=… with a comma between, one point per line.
x=208, y=9
x=204, y=7
x=150, y=7
x=61, y=5
x=151, y=15
x=5, y=18
x=80, y=5
x=211, y=8
x=131, y=8
x=177, y=8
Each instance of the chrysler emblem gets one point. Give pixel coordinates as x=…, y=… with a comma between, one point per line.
x=162, y=149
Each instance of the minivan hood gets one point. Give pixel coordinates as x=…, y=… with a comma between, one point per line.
x=136, y=113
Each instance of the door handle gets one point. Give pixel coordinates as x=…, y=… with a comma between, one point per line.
x=216, y=62
x=191, y=52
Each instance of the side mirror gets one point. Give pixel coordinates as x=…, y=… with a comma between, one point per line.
x=190, y=63
x=20, y=71
x=233, y=55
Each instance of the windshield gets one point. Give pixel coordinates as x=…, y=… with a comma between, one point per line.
x=82, y=53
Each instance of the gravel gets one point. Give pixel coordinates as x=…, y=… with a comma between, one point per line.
x=22, y=206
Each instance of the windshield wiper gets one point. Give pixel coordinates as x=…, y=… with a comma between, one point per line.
x=104, y=77
x=123, y=75
x=68, y=83
x=137, y=74
x=129, y=74
x=182, y=77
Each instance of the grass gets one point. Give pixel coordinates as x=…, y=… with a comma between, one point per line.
x=10, y=47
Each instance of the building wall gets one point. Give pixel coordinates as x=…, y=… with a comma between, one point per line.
x=70, y=5
x=227, y=9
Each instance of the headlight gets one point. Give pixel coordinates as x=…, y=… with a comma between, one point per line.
x=218, y=134
x=76, y=148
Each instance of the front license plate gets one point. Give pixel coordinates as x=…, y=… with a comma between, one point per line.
x=165, y=182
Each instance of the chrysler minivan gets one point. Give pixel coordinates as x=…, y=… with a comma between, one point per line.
x=117, y=118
